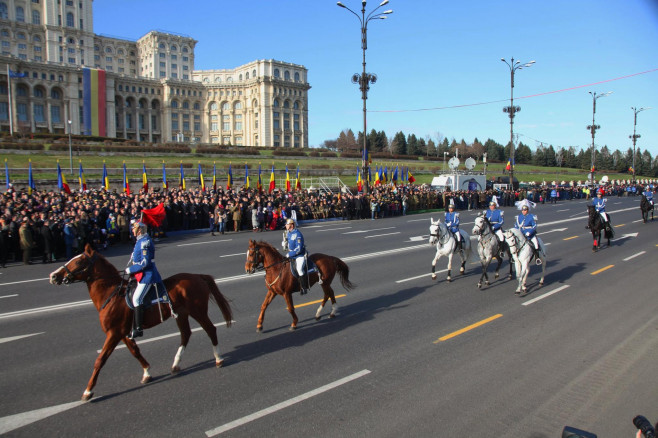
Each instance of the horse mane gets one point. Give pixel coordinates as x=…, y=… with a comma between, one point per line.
x=268, y=246
x=103, y=264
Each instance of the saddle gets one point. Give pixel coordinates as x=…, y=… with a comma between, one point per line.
x=309, y=268
x=156, y=293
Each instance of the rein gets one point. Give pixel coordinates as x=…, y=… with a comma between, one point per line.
x=116, y=290
x=257, y=265
x=70, y=274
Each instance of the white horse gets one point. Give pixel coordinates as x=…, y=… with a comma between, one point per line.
x=446, y=245
x=489, y=248
x=522, y=253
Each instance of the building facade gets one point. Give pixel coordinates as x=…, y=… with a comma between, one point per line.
x=151, y=91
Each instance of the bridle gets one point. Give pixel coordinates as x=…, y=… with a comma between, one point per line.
x=515, y=244
x=69, y=277
x=438, y=234
x=258, y=261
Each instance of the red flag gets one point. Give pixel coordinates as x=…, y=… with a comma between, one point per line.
x=154, y=216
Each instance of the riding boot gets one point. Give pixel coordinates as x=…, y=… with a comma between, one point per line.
x=303, y=284
x=537, y=258
x=139, y=319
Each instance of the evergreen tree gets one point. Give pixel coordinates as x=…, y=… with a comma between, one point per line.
x=412, y=145
x=431, y=148
x=400, y=144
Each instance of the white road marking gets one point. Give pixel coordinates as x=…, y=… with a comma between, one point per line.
x=16, y=338
x=556, y=229
x=418, y=238
x=233, y=255
x=567, y=209
x=634, y=255
x=44, y=309
x=24, y=281
x=625, y=236
x=13, y=422
x=333, y=229
x=420, y=276
x=158, y=338
x=279, y=406
x=547, y=294
x=9, y=296
x=639, y=220
x=381, y=235
x=203, y=243
x=369, y=231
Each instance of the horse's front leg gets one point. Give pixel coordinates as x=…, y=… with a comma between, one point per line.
x=434, y=260
x=485, y=265
x=111, y=340
x=499, y=259
x=266, y=302
x=511, y=264
x=134, y=350
x=449, y=278
x=519, y=275
x=462, y=267
x=291, y=309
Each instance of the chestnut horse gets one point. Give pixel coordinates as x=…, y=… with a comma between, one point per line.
x=188, y=293
x=280, y=281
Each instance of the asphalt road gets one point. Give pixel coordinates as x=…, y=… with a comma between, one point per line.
x=406, y=356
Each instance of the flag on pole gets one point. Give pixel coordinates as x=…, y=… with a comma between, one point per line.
x=106, y=180
x=298, y=182
x=510, y=164
x=395, y=176
x=145, y=181
x=259, y=185
x=287, y=179
x=30, y=181
x=202, y=183
x=82, y=179
x=272, y=181
x=229, y=180
x=154, y=216
x=359, y=180
x=165, y=184
x=385, y=175
x=377, y=179
x=410, y=177
x=214, y=176
x=592, y=169
x=246, y=176
x=6, y=175
x=126, y=184
x=630, y=169
x=61, y=181
x=181, y=182
x=17, y=74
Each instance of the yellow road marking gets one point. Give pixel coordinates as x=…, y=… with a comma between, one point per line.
x=316, y=302
x=466, y=329
x=572, y=237
x=620, y=225
x=602, y=269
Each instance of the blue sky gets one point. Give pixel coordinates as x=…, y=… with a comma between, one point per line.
x=438, y=62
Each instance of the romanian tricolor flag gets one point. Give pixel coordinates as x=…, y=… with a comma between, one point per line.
x=246, y=176
x=377, y=180
x=214, y=176
x=93, y=102
x=359, y=180
x=592, y=169
x=259, y=185
x=61, y=181
x=229, y=180
x=410, y=177
x=145, y=181
x=298, y=182
x=165, y=184
x=287, y=179
x=30, y=181
x=202, y=183
x=366, y=157
x=395, y=176
x=81, y=178
x=106, y=180
x=181, y=182
x=272, y=181
x=126, y=184
x=630, y=169
x=385, y=175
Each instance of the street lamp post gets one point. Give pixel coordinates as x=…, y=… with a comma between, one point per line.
x=512, y=110
x=444, y=161
x=70, y=150
x=634, y=137
x=592, y=128
x=365, y=79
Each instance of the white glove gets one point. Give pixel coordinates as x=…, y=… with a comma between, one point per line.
x=527, y=234
x=127, y=271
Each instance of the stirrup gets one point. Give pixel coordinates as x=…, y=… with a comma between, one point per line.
x=537, y=261
x=136, y=333
x=303, y=291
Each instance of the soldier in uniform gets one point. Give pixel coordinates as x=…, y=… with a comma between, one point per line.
x=296, y=253
x=452, y=221
x=528, y=225
x=496, y=219
x=599, y=204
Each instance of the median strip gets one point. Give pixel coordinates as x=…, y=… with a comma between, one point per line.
x=469, y=328
x=602, y=269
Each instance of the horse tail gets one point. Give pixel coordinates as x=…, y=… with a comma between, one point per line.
x=344, y=272
x=220, y=299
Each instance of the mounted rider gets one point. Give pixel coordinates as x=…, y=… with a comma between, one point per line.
x=294, y=244
x=599, y=204
x=648, y=193
x=496, y=219
x=452, y=222
x=527, y=223
x=144, y=269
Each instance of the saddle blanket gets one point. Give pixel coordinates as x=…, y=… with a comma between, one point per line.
x=309, y=267
x=155, y=294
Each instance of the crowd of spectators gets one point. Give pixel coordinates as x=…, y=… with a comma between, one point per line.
x=50, y=225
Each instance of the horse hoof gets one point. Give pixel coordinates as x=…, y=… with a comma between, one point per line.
x=219, y=363
x=332, y=316
x=541, y=282
x=448, y=279
x=292, y=328
x=317, y=318
x=486, y=283
x=175, y=370
x=86, y=396
x=496, y=275
x=462, y=270
x=259, y=329
x=145, y=380
x=433, y=277
x=479, y=285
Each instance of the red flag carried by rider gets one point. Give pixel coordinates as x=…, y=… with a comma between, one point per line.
x=154, y=216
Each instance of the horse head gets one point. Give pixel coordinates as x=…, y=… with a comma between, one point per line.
x=79, y=268
x=255, y=257
x=481, y=224
x=434, y=231
x=512, y=237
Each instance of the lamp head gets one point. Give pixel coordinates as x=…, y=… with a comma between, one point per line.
x=383, y=3
x=340, y=4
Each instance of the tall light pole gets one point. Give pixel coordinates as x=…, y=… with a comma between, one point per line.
x=365, y=79
x=634, y=137
x=592, y=128
x=70, y=150
x=512, y=110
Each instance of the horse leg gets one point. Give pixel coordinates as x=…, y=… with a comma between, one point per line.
x=266, y=302
x=134, y=350
x=291, y=309
x=329, y=292
x=434, y=260
x=449, y=278
x=484, y=273
x=111, y=341
x=543, y=271
x=210, y=329
x=183, y=323
x=499, y=259
x=324, y=301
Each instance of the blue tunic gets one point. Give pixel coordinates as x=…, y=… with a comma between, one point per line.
x=649, y=195
x=143, y=260
x=296, y=246
x=496, y=218
x=452, y=221
x=599, y=204
x=527, y=224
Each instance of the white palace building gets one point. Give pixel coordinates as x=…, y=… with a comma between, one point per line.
x=58, y=76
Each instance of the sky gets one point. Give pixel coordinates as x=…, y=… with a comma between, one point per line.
x=438, y=63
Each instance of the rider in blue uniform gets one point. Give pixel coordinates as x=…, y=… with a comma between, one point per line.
x=599, y=204
x=144, y=269
x=648, y=193
x=496, y=219
x=297, y=253
x=527, y=223
x=452, y=222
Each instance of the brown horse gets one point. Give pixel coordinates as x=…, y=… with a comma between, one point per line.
x=280, y=281
x=188, y=293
